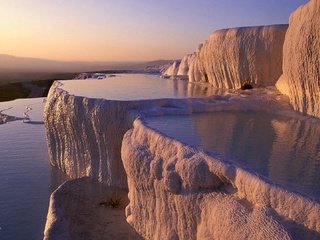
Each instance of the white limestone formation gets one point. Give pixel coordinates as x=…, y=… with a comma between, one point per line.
x=173, y=69
x=236, y=56
x=85, y=136
x=301, y=59
x=178, y=192
x=179, y=68
x=184, y=65
x=194, y=74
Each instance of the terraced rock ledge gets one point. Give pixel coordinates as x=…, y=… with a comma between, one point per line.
x=175, y=191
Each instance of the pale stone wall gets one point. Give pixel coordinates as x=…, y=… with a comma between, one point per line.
x=301, y=60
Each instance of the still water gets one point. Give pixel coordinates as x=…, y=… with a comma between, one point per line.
x=26, y=177
x=136, y=87
x=283, y=149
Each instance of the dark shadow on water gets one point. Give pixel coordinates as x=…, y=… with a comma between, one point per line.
x=35, y=122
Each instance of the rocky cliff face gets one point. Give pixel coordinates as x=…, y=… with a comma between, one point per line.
x=233, y=57
x=301, y=59
x=177, y=192
x=84, y=136
x=173, y=69
x=184, y=65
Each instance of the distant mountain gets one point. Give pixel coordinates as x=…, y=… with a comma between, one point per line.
x=21, y=64
x=14, y=68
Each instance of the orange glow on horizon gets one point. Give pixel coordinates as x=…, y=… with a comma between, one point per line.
x=124, y=30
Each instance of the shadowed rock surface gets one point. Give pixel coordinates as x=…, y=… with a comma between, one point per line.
x=76, y=212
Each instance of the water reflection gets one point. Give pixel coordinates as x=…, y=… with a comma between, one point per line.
x=295, y=154
x=283, y=149
x=26, y=177
x=182, y=88
x=136, y=86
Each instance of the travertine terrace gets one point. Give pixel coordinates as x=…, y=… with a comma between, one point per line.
x=232, y=57
x=180, y=192
x=154, y=174
x=301, y=60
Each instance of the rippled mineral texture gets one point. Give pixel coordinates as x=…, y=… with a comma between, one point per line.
x=177, y=192
x=232, y=57
x=301, y=60
x=173, y=69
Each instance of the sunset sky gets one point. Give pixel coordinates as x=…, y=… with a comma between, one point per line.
x=125, y=30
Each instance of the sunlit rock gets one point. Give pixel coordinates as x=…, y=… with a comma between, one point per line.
x=184, y=65
x=301, y=59
x=236, y=56
x=194, y=74
x=194, y=195
x=171, y=187
x=84, y=134
x=173, y=69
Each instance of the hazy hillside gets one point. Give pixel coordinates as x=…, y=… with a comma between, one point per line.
x=32, y=77
x=20, y=68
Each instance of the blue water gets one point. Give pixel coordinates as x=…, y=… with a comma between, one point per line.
x=26, y=177
x=285, y=150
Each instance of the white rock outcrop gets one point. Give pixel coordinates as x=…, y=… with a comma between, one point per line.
x=184, y=65
x=194, y=74
x=178, y=192
x=173, y=69
x=179, y=68
x=236, y=56
x=301, y=59
x=85, y=137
